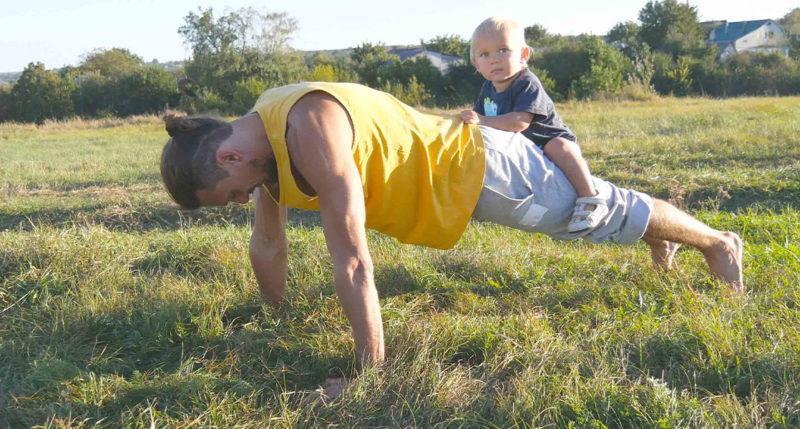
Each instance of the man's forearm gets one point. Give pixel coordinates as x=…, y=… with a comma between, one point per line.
x=355, y=287
x=270, y=265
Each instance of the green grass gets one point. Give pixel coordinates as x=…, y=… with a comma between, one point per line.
x=117, y=310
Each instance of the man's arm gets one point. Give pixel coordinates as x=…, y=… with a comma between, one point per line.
x=512, y=121
x=268, y=248
x=319, y=139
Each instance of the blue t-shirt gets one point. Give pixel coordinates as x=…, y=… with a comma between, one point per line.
x=526, y=94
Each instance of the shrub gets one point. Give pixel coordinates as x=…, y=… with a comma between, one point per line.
x=203, y=101
x=144, y=90
x=40, y=94
x=5, y=102
x=323, y=73
x=245, y=93
x=413, y=93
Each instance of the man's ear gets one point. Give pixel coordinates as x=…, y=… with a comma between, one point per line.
x=228, y=156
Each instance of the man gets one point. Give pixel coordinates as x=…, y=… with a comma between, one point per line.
x=366, y=160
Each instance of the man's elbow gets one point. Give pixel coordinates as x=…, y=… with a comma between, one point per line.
x=357, y=271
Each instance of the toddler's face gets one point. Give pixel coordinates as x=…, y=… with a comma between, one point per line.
x=497, y=57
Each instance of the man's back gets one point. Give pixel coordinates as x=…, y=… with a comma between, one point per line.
x=421, y=173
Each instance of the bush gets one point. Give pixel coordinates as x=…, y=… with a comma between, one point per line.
x=566, y=62
x=585, y=67
x=144, y=90
x=92, y=94
x=461, y=86
x=40, y=94
x=763, y=74
x=203, y=101
x=245, y=94
x=607, y=71
x=322, y=73
x=413, y=93
x=5, y=102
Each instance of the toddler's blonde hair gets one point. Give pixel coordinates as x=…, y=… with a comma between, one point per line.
x=497, y=24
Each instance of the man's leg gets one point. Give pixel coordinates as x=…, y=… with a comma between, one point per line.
x=669, y=225
x=662, y=252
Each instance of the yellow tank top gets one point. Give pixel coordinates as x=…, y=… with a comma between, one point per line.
x=422, y=174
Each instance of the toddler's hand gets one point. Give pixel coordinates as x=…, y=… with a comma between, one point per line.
x=470, y=117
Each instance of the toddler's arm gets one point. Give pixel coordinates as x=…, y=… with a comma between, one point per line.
x=512, y=121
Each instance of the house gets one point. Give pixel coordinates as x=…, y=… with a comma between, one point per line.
x=764, y=35
x=441, y=61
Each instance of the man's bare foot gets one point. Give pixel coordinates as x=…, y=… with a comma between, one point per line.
x=725, y=260
x=663, y=253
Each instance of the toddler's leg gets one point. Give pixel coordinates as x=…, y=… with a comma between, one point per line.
x=589, y=211
x=567, y=156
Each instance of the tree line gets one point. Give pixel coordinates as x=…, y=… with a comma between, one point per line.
x=240, y=54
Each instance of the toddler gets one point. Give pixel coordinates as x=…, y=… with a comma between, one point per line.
x=513, y=99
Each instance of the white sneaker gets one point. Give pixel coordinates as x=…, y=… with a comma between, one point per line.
x=583, y=217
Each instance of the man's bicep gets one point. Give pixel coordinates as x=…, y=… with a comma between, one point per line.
x=321, y=145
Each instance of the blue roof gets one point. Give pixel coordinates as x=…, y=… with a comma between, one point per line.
x=408, y=52
x=731, y=31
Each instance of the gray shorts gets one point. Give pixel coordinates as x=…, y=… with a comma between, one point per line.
x=523, y=189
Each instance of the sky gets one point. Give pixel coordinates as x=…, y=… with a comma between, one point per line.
x=60, y=33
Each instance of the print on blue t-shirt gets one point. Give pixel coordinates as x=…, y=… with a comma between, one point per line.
x=489, y=106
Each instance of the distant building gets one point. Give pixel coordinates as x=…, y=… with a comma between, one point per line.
x=763, y=35
x=441, y=61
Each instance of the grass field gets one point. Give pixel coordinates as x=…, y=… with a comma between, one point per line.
x=117, y=310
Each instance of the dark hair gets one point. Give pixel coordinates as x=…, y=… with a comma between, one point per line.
x=188, y=161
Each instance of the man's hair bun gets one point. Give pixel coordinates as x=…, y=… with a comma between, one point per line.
x=178, y=123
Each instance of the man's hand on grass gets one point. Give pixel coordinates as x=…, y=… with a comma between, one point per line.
x=335, y=387
x=332, y=389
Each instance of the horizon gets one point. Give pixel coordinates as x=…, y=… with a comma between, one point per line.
x=33, y=32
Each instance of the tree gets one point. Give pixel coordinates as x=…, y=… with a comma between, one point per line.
x=325, y=67
x=626, y=32
x=147, y=89
x=791, y=22
x=608, y=69
x=323, y=73
x=372, y=63
x=40, y=94
x=671, y=27
x=231, y=50
x=5, y=102
x=207, y=36
x=110, y=62
x=461, y=86
x=413, y=93
x=242, y=30
x=565, y=62
x=420, y=69
x=450, y=44
x=536, y=35
x=245, y=93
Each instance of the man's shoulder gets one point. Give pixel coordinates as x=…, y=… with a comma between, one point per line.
x=316, y=101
